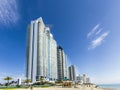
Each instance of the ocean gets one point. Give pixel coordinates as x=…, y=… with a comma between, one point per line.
x=115, y=86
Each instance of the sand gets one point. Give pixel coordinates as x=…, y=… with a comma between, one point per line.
x=61, y=88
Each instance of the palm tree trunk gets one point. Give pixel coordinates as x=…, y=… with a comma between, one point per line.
x=8, y=83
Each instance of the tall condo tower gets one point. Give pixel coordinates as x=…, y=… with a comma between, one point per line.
x=72, y=73
x=62, y=64
x=84, y=78
x=41, y=52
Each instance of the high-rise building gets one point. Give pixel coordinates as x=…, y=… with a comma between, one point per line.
x=88, y=80
x=79, y=79
x=41, y=52
x=62, y=64
x=19, y=81
x=84, y=78
x=72, y=73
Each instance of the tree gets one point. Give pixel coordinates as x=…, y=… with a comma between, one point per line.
x=7, y=79
x=27, y=81
x=41, y=78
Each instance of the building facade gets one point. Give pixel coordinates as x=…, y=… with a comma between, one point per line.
x=62, y=64
x=41, y=52
x=72, y=73
x=79, y=79
x=84, y=78
x=88, y=80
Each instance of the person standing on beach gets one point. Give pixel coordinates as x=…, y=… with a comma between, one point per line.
x=31, y=88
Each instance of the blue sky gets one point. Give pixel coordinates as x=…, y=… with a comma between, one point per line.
x=88, y=30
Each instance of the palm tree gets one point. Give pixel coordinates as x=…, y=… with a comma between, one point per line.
x=27, y=81
x=41, y=78
x=8, y=79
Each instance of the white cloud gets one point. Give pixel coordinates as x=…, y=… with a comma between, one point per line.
x=98, y=36
x=98, y=41
x=8, y=11
x=99, y=31
x=94, y=30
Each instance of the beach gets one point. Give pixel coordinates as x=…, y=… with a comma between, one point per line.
x=58, y=88
x=62, y=88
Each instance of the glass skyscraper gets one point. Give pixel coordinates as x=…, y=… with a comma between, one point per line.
x=41, y=52
x=72, y=73
x=62, y=64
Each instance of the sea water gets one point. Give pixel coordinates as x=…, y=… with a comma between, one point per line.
x=115, y=86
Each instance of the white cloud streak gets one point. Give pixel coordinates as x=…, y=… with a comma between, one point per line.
x=99, y=31
x=93, y=31
x=98, y=41
x=96, y=36
x=8, y=11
